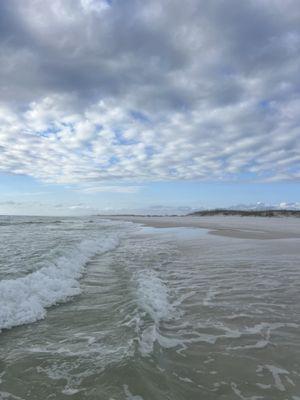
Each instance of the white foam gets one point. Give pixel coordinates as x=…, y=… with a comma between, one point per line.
x=69, y=391
x=154, y=300
x=9, y=396
x=210, y=296
x=277, y=372
x=129, y=395
x=258, y=345
x=150, y=335
x=147, y=340
x=24, y=300
x=153, y=295
x=239, y=394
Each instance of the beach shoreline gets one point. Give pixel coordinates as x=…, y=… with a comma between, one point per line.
x=261, y=228
x=159, y=301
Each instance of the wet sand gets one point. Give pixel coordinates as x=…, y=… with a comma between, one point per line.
x=237, y=227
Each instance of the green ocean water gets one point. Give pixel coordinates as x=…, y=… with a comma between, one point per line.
x=102, y=310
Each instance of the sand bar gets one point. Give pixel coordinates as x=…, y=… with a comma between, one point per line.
x=231, y=226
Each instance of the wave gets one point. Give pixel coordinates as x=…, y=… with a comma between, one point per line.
x=153, y=296
x=153, y=299
x=25, y=300
x=9, y=221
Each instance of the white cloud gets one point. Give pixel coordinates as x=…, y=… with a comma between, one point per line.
x=110, y=189
x=94, y=91
x=55, y=144
x=263, y=206
x=11, y=207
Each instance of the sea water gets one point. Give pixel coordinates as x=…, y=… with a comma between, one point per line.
x=95, y=309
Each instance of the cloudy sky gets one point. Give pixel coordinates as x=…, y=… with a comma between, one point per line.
x=113, y=104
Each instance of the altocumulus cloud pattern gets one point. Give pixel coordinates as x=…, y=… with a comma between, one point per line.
x=93, y=90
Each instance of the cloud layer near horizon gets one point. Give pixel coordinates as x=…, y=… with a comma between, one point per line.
x=93, y=90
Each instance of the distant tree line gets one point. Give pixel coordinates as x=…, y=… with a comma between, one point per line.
x=248, y=213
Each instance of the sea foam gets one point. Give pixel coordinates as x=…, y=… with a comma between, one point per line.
x=153, y=295
x=24, y=300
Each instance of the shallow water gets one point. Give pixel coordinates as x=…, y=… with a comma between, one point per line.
x=153, y=314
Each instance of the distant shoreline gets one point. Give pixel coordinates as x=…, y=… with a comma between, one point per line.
x=230, y=226
x=219, y=212
x=248, y=213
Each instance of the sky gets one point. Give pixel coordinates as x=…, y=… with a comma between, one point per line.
x=114, y=105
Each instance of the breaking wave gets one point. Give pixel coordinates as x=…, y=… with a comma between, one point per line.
x=25, y=299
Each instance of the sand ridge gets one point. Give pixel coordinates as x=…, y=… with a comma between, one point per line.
x=261, y=228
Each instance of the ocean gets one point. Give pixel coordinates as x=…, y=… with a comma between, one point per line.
x=98, y=309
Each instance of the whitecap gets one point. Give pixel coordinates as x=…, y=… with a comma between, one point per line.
x=24, y=300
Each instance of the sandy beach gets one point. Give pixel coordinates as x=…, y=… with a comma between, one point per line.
x=237, y=227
